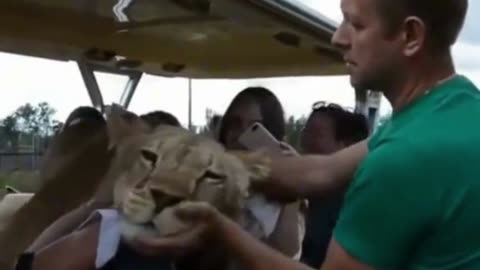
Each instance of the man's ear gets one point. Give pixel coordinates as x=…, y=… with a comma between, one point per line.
x=414, y=35
x=257, y=163
x=122, y=124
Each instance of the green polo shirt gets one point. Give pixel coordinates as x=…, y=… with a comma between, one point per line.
x=415, y=200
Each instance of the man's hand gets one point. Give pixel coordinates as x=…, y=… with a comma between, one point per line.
x=203, y=218
x=288, y=150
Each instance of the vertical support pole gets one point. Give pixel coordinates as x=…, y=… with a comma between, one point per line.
x=190, y=125
x=367, y=102
x=130, y=88
x=92, y=86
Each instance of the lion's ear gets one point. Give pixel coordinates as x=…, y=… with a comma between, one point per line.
x=122, y=124
x=257, y=163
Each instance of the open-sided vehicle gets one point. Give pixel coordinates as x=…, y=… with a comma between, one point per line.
x=173, y=38
x=181, y=38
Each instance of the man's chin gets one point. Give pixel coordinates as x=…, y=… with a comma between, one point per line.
x=359, y=85
x=355, y=83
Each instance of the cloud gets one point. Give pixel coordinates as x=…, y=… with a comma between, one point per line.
x=471, y=29
x=466, y=56
x=329, y=8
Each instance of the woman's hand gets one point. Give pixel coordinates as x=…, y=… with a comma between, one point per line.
x=204, y=219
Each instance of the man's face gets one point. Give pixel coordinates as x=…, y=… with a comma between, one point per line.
x=372, y=57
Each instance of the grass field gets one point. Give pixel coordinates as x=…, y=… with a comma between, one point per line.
x=24, y=181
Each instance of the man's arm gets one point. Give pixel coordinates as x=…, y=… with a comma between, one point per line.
x=313, y=175
x=255, y=255
x=63, y=226
x=76, y=251
x=338, y=259
x=250, y=252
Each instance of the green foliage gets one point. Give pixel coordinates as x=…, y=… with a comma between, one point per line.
x=35, y=119
x=25, y=181
x=28, y=123
x=294, y=130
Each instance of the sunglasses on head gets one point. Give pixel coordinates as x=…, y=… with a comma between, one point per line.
x=324, y=104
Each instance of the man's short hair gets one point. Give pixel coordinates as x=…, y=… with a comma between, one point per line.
x=443, y=18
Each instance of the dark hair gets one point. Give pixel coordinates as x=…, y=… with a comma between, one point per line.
x=84, y=113
x=349, y=127
x=157, y=118
x=270, y=108
x=443, y=18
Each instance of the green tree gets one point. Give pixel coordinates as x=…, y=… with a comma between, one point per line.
x=25, y=117
x=293, y=130
x=45, y=124
x=212, y=121
x=9, y=132
x=29, y=124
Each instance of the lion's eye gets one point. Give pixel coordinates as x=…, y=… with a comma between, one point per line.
x=214, y=178
x=149, y=156
x=214, y=175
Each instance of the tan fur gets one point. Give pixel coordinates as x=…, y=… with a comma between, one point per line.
x=155, y=169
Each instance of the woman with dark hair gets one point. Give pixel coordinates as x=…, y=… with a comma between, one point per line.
x=258, y=104
x=329, y=128
x=254, y=104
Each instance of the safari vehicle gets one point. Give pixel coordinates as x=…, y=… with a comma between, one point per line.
x=233, y=39
x=173, y=38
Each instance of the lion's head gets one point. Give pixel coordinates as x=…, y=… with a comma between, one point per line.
x=155, y=169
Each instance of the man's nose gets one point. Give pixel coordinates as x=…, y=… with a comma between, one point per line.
x=339, y=38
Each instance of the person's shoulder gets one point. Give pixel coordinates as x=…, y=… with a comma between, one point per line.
x=461, y=81
x=457, y=94
x=385, y=154
x=396, y=162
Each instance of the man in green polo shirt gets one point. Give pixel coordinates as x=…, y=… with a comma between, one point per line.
x=414, y=201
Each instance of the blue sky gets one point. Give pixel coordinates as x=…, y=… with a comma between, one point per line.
x=27, y=79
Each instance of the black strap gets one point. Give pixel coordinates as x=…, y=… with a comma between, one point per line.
x=25, y=261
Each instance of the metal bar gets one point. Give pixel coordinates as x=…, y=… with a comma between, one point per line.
x=373, y=107
x=112, y=70
x=126, y=26
x=91, y=85
x=130, y=89
x=361, y=102
x=190, y=125
x=299, y=14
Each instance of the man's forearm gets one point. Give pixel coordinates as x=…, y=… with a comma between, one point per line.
x=315, y=175
x=76, y=251
x=250, y=252
x=63, y=226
